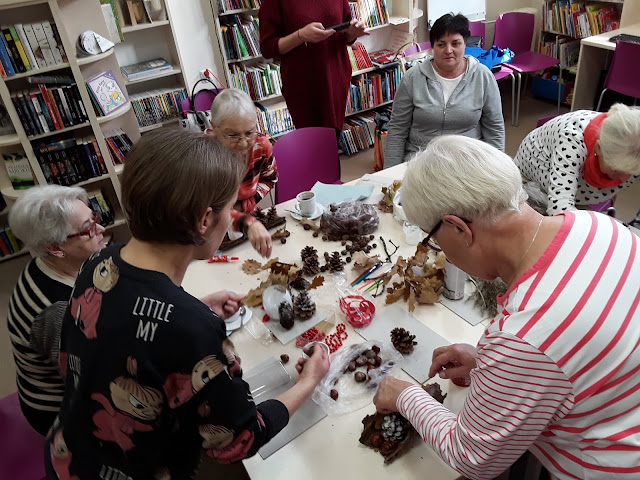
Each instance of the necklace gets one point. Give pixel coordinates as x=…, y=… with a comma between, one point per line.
x=527, y=250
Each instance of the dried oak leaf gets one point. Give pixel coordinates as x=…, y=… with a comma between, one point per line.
x=362, y=261
x=312, y=225
x=386, y=204
x=316, y=282
x=411, y=302
x=394, y=294
x=254, y=296
x=280, y=233
x=420, y=257
x=270, y=263
x=428, y=295
x=440, y=260
x=251, y=267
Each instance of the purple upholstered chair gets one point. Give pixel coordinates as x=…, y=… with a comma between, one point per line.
x=514, y=30
x=624, y=72
x=305, y=156
x=22, y=447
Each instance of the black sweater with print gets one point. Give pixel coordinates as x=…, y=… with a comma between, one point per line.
x=150, y=380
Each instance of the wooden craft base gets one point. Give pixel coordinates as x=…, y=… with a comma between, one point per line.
x=229, y=244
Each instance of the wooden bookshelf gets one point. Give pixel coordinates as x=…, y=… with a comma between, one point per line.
x=95, y=58
x=39, y=71
x=22, y=251
x=56, y=132
x=168, y=73
x=370, y=108
x=144, y=26
x=10, y=139
x=239, y=11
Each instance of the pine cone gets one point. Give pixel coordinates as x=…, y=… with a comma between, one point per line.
x=310, y=264
x=394, y=427
x=402, y=340
x=307, y=252
x=303, y=306
x=259, y=215
x=286, y=315
x=272, y=214
x=299, y=283
x=335, y=263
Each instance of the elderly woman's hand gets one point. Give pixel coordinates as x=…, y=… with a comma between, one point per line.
x=387, y=395
x=260, y=238
x=453, y=361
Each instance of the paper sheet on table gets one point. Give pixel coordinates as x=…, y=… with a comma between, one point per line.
x=376, y=182
x=267, y=381
x=326, y=194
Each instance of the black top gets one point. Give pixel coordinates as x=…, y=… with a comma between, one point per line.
x=151, y=379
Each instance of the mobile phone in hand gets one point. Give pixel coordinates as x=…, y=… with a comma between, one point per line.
x=340, y=26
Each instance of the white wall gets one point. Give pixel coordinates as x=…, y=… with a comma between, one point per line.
x=196, y=38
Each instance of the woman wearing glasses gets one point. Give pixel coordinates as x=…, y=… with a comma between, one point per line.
x=556, y=371
x=233, y=116
x=59, y=229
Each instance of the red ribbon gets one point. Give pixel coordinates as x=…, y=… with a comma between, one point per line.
x=359, y=311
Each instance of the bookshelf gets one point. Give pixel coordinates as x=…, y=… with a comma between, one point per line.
x=564, y=24
x=66, y=15
x=149, y=40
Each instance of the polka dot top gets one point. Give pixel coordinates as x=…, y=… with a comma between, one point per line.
x=553, y=156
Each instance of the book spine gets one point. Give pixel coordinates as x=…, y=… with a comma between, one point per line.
x=27, y=107
x=88, y=156
x=65, y=105
x=54, y=105
x=18, y=66
x=33, y=45
x=23, y=119
x=58, y=105
x=61, y=159
x=48, y=31
x=47, y=101
x=105, y=208
x=4, y=244
x=56, y=36
x=3, y=72
x=73, y=109
x=38, y=109
x=20, y=48
x=44, y=166
x=22, y=35
x=103, y=166
x=5, y=56
x=12, y=239
x=43, y=44
x=75, y=93
x=45, y=111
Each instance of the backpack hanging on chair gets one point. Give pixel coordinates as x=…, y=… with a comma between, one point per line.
x=196, y=109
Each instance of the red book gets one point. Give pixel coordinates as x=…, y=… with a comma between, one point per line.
x=52, y=112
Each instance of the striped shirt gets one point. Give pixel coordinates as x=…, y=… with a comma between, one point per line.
x=260, y=177
x=558, y=368
x=40, y=384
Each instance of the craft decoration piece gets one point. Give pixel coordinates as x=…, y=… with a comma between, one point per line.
x=486, y=294
x=334, y=341
x=303, y=307
x=286, y=315
x=402, y=340
x=386, y=204
x=391, y=434
x=423, y=287
x=299, y=283
x=251, y=267
x=269, y=220
x=281, y=274
x=358, y=310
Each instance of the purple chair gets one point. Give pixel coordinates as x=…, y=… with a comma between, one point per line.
x=416, y=48
x=514, y=30
x=22, y=447
x=478, y=29
x=305, y=156
x=624, y=71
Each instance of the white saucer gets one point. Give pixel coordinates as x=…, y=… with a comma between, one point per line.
x=298, y=216
x=237, y=320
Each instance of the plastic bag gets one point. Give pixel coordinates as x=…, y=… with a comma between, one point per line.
x=352, y=395
x=349, y=218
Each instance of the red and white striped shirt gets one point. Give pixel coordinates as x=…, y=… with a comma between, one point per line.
x=558, y=369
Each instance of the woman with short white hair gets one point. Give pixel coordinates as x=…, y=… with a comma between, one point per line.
x=61, y=231
x=233, y=116
x=582, y=159
x=556, y=370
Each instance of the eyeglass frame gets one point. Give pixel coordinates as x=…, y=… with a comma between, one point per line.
x=92, y=230
x=243, y=136
x=428, y=240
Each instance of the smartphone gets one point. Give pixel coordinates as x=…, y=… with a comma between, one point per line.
x=340, y=26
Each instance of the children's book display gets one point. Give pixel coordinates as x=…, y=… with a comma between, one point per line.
x=105, y=93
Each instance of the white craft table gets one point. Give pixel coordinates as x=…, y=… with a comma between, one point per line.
x=330, y=449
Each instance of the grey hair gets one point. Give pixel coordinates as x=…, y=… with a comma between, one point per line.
x=229, y=103
x=620, y=139
x=458, y=175
x=42, y=216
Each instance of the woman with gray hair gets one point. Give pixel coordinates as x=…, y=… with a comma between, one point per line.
x=556, y=370
x=59, y=229
x=233, y=116
x=582, y=159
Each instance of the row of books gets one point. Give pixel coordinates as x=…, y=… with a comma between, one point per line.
x=30, y=46
x=98, y=203
x=229, y=5
x=240, y=36
x=119, y=144
x=566, y=49
x=358, y=57
x=372, y=89
x=578, y=18
x=157, y=106
x=8, y=242
x=370, y=12
x=49, y=108
x=274, y=120
x=67, y=162
x=259, y=81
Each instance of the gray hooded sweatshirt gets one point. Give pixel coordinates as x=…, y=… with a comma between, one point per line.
x=419, y=113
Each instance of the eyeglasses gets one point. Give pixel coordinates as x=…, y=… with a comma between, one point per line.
x=92, y=230
x=236, y=138
x=430, y=242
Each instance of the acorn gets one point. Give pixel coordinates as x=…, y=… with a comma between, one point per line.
x=334, y=394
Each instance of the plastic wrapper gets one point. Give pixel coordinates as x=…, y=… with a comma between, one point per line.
x=349, y=218
x=258, y=331
x=352, y=395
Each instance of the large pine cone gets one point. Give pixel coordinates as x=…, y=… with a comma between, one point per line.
x=307, y=252
x=335, y=263
x=259, y=214
x=303, y=306
x=402, y=340
x=299, y=283
x=286, y=315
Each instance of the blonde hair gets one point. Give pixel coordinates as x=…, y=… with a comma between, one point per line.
x=619, y=139
x=462, y=176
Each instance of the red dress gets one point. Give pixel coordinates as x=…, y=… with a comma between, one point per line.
x=315, y=77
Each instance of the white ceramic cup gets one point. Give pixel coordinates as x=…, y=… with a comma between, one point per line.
x=306, y=204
